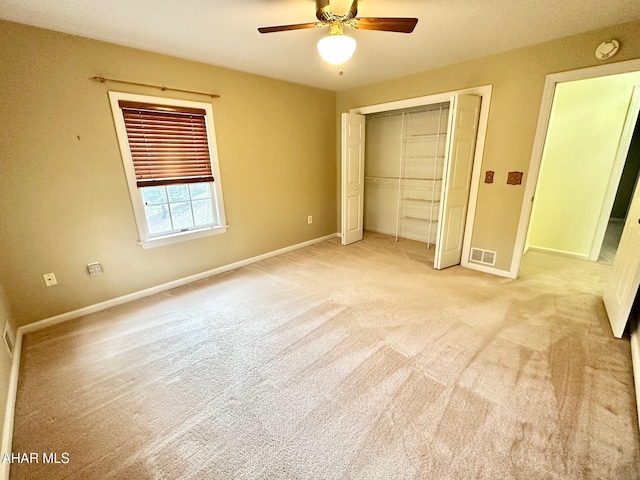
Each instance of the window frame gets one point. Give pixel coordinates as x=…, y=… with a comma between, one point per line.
x=147, y=241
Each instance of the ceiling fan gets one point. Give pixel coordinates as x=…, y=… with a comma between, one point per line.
x=337, y=48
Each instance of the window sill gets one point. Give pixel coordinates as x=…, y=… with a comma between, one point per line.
x=182, y=237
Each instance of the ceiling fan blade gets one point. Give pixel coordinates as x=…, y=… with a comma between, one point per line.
x=401, y=25
x=284, y=28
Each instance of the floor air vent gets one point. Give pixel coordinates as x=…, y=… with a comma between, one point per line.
x=485, y=257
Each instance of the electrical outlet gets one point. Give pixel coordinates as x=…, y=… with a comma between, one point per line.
x=310, y=219
x=94, y=269
x=49, y=279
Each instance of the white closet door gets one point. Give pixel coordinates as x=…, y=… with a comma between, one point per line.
x=465, y=115
x=353, y=128
x=625, y=276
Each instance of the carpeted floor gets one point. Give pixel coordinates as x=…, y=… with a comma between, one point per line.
x=330, y=362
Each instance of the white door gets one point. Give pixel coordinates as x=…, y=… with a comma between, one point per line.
x=625, y=276
x=456, y=182
x=352, y=177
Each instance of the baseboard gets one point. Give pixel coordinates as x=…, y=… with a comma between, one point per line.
x=635, y=358
x=486, y=269
x=47, y=322
x=582, y=256
x=7, y=430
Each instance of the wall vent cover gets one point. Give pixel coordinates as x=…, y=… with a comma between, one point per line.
x=8, y=339
x=485, y=257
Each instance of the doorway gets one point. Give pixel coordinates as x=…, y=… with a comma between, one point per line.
x=582, y=161
x=544, y=124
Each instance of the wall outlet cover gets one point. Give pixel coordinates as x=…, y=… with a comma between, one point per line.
x=94, y=269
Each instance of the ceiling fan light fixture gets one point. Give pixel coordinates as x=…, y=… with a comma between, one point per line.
x=337, y=48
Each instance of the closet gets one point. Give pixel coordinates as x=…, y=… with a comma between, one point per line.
x=416, y=179
x=403, y=173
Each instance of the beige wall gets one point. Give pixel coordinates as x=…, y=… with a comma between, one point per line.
x=62, y=185
x=518, y=80
x=580, y=149
x=63, y=191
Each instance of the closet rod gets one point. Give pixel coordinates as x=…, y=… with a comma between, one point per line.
x=113, y=80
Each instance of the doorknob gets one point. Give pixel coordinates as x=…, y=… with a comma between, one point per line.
x=355, y=188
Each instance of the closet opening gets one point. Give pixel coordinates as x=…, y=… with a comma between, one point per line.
x=403, y=173
x=423, y=183
x=421, y=175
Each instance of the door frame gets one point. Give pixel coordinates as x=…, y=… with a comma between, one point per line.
x=540, y=137
x=485, y=93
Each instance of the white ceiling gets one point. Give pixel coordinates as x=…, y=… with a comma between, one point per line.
x=224, y=32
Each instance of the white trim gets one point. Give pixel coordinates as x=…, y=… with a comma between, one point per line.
x=217, y=200
x=490, y=270
x=541, y=134
x=616, y=172
x=179, y=237
x=485, y=92
x=7, y=429
x=581, y=256
x=408, y=103
x=534, y=169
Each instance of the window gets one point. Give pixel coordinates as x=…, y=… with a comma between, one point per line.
x=171, y=164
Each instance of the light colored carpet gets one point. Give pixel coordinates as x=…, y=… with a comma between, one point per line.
x=332, y=362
